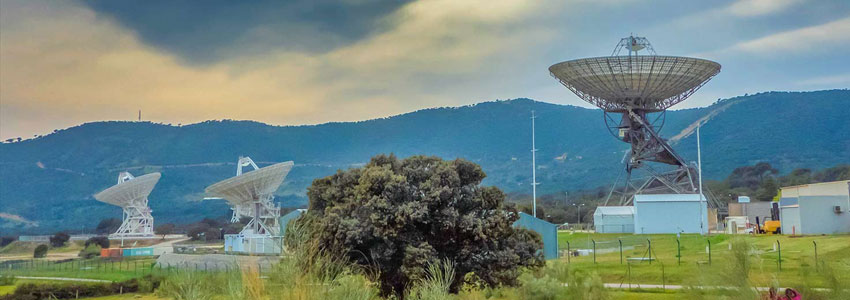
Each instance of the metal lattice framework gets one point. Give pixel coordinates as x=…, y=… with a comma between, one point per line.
x=131, y=194
x=635, y=86
x=252, y=194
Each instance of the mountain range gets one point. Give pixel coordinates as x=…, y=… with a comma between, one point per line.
x=47, y=183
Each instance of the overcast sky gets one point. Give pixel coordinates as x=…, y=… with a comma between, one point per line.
x=63, y=63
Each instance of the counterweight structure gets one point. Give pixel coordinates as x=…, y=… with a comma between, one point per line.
x=640, y=88
x=251, y=194
x=131, y=194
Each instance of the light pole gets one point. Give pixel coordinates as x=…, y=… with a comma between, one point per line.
x=579, y=211
x=533, y=169
x=699, y=172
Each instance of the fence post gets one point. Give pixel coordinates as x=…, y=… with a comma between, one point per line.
x=621, y=250
x=649, y=250
x=779, y=258
x=594, y=251
x=817, y=267
x=569, y=253
x=679, y=251
x=709, y=251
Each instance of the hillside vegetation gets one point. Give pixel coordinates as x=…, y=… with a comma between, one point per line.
x=49, y=180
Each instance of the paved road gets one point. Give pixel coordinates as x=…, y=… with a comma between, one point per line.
x=166, y=247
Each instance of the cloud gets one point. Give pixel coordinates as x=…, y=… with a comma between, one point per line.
x=63, y=65
x=825, y=36
x=752, y=8
x=830, y=80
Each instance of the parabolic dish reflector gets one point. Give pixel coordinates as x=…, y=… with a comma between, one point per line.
x=252, y=185
x=645, y=82
x=128, y=192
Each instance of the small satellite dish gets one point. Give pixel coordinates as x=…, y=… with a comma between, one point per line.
x=252, y=194
x=131, y=194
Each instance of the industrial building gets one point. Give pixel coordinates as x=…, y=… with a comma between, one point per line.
x=671, y=213
x=548, y=233
x=614, y=219
x=817, y=208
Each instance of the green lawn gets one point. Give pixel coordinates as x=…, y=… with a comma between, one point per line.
x=95, y=268
x=797, y=257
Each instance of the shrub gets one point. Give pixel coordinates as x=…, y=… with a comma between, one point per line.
x=165, y=229
x=202, y=231
x=40, y=251
x=7, y=280
x=90, y=251
x=399, y=216
x=101, y=241
x=109, y=225
x=192, y=286
x=59, y=239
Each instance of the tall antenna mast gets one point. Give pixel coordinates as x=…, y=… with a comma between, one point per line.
x=533, y=169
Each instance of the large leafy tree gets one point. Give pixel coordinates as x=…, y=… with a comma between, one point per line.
x=400, y=215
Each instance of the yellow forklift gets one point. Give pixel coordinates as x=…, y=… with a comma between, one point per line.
x=772, y=226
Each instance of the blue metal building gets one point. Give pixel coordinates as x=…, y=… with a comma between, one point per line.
x=817, y=208
x=670, y=213
x=547, y=231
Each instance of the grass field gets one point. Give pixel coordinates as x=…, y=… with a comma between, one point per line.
x=798, y=262
x=95, y=268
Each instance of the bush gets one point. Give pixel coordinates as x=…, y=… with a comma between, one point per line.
x=59, y=239
x=399, y=216
x=40, y=251
x=109, y=225
x=101, y=241
x=202, y=231
x=7, y=280
x=90, y=251
x=165, y=229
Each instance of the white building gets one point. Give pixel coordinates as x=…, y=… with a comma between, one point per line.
x=614, y=219
x=817, y=208
x=671, y=213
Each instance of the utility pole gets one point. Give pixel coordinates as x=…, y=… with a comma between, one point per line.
x=140, y=115
x=533, y=169
x=566, y=199
x=699, y=174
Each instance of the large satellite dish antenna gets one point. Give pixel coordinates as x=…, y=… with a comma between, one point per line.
x=251, y=194
x=636, y=86
x=131, y=194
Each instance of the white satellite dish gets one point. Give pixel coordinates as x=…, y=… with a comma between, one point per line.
x=252, y=194
x=131, y=194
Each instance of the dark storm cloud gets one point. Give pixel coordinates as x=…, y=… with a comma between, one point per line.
x=206, y=31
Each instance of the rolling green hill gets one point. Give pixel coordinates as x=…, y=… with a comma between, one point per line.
x=50, y=180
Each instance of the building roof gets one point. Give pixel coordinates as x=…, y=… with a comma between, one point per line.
x=816, y=183
x=669, y=198
x=615, y=210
